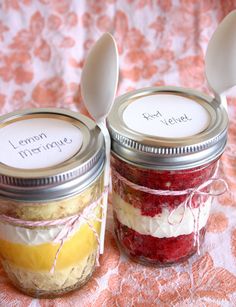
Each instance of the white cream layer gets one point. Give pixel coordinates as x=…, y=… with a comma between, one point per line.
x=36, y=236
x=164, y=225
x=28, y=236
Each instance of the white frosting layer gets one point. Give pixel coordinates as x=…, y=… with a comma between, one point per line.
x=36, y=236
x=164, y=225
x=28, y=236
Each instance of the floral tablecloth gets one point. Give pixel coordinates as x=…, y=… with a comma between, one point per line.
x=43, y=44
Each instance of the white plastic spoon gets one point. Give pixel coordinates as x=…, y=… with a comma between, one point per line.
x=98, y=88
x=220, y=60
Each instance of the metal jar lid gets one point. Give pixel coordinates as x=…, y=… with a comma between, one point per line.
x=48, y=154
x=167, y=152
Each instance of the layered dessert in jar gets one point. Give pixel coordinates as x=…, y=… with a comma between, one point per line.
x=166, y=145
x=159, y=228
x=51, y=200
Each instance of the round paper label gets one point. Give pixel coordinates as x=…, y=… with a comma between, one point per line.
x=38, y=143
x=167, y=116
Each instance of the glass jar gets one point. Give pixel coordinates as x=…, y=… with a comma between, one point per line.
x=51, y=191
x=166, y=144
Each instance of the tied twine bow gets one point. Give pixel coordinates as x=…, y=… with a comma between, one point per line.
x=188, y=203
x=69, y=224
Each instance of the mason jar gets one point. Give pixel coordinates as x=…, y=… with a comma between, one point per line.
x=166, y=145
x=51, y=190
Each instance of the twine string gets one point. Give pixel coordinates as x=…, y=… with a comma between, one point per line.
x=190, y=191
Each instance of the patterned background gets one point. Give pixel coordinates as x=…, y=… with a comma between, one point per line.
x=43, y=44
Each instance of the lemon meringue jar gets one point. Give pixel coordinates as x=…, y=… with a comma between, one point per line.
x=51, y=190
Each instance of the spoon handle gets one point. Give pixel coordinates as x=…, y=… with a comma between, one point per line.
x=102, y=126
x=223, y=101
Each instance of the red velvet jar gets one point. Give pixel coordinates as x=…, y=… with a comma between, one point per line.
x=166, y=143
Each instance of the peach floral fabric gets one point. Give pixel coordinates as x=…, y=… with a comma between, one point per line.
x=43, y=44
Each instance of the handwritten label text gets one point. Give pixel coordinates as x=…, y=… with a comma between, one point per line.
x=166, y=121
x=38, y=144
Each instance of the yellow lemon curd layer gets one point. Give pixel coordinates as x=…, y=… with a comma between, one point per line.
x=41, y=257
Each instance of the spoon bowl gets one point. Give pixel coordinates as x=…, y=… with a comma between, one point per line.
x=220, y=60
x=100, y=77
